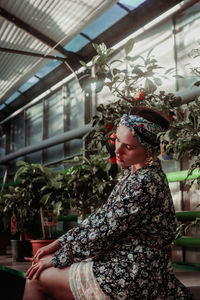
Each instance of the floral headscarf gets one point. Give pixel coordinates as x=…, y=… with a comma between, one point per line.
x=143, y=130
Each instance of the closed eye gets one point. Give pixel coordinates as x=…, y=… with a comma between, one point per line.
x=128, y=147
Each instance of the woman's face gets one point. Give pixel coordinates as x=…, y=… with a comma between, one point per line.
x=128, y=151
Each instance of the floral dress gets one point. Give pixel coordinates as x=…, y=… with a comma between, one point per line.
x=129, y=240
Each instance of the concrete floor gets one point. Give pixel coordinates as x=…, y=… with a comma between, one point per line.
x=191, y=279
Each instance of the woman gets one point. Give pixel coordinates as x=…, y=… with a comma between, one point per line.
x=122, y=250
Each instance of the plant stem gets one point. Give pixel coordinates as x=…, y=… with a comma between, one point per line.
x=42, y=223
x=21, y=225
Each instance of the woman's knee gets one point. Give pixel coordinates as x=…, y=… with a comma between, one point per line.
x=33, y=290
x=55, y=282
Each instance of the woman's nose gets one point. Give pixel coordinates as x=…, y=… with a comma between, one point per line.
x=118, y=148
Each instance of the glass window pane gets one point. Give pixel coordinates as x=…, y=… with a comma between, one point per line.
x=35, y=130
x=13, y=168
x=19, y=132
x=55, y=114
x=2, y=154
x=55, y=107
x=55, y=153
x=2, y=145
x=35, y=121
x=35, y=157
x=76, y=103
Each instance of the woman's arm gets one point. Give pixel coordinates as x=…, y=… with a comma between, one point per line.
x=100, y=230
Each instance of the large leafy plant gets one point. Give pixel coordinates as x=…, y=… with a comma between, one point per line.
x=45, y=189
x=4, y=223
x=136, y=80
x=183, y=136
x=127, y=75
x=89, y=183
x=133, y=81
x=16, y=205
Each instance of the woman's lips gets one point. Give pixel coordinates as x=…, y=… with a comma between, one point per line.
x=119, y=159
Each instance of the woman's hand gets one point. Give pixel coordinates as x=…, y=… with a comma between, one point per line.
x=43, y=251
x=36, y=268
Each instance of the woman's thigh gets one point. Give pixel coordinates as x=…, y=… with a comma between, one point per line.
x=55, y=283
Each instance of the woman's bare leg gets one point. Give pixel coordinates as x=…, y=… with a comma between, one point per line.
x=53, y=282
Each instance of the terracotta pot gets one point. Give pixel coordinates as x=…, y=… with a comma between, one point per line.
x=36, y=244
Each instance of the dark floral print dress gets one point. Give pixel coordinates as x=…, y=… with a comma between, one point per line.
x=129, y=239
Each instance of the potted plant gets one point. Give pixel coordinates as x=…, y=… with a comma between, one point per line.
x=4, y=229
x=47, y=195
x=14, y=201
x=4, y=224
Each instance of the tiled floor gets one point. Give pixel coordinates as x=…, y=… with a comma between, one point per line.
x=190, y=279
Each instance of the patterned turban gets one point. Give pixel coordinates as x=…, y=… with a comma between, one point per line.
x=143, y=130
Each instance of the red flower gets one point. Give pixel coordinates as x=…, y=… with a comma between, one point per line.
x=109, y=127
x=171, y=115
x=113, y=160
x=113, y=137
x=139, y=96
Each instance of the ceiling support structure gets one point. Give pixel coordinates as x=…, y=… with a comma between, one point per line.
x=34, y=32
x=20, y=52
x=117, y=32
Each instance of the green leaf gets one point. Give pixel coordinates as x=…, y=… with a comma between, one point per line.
x=157, y=81
x=45, y=198
x=83, y=63
x=129, y=46
x=57, y=208
x=178, y=76
x=96, y=47
x=116, y=60
x=149, y=86
x=169, y=71
x=20, y=163
x=138, y=71
x=20, y=171
x=149, y=52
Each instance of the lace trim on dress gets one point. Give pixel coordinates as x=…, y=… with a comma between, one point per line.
x=83, y=283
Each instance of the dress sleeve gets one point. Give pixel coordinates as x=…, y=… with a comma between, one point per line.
x=101, y=229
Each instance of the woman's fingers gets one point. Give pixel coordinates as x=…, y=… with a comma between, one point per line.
x=29, y=258
x=38, y=271
x=31, y=271
x=34, y=271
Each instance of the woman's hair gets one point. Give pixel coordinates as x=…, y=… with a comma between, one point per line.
x=151, y=115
